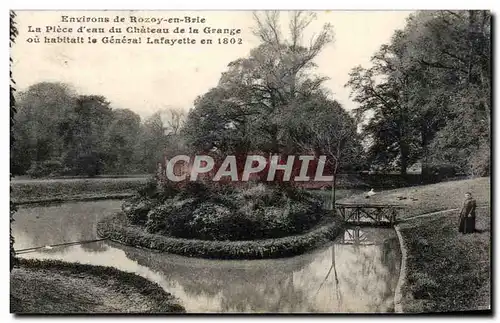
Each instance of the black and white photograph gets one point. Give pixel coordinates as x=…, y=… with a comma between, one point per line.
x=250, y=161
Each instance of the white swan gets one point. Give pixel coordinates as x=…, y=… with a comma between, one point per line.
x=370, y=193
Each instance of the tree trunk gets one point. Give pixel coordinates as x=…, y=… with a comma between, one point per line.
x=334, y=187
x=334, y=191
x=404, y=157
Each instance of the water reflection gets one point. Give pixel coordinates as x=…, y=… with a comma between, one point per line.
x=347, y=276
x=60, y=223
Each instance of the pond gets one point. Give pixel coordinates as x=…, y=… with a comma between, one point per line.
x=357, y=272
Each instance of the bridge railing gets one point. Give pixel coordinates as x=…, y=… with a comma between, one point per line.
x=369, y=213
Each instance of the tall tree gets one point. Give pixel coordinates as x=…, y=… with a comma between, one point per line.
x=455, y=47
x=257, y=90
x=85, y=150
x=428, y=91
x=383, y=94
x=173, y=119
x=152, y=142
x=42, y=110
x=217, y=121
x=323, y=128
x=120, y=140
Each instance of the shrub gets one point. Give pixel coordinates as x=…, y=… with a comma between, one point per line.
x=51, y=167
x=212, y=221
x=480, y=161
x=137, y=209
x=234, y=200
x=264, y=196
x=194, y=219
x=303, y=216
x=161, y=192
x=157, y=217
x=171, y=217
x=149, y=190
x=274, y=221
x=206, y=212
x=90, y=164
x=195, y=189
x=168, y=190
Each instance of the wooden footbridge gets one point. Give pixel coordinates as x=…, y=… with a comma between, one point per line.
x=369, y=214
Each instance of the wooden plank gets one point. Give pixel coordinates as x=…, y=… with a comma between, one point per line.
x=354, y=205
x=367, y=214
x=376, y=214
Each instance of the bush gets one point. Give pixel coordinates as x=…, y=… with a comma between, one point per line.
x=480, y=161
x=302, y=216
x=191, y=218
x=206, y=212
x=195, y=189
x=438, y=171
x=150, y=190
x=157, y=218
x=172, y=217
x=89, y=165
x=137, y=209
x=212, y=221
x=265, y=196
x=46, y=168
x=168, y=190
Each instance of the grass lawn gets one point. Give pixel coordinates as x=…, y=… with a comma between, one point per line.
x=55, y=190
x=50, y=287
x=339, y=193
x=429, y=198
x=446, y=270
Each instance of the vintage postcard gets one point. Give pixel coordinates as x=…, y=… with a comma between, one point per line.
x=170, y=162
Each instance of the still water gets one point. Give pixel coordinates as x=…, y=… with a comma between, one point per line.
x=358, y=272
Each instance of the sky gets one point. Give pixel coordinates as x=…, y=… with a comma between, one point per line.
x=145, y=78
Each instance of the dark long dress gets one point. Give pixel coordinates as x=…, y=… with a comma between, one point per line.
x=468, y=217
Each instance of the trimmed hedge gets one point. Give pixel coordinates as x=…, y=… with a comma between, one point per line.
x=163, y=301
x=116, y=228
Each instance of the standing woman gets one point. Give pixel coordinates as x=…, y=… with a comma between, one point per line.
x=468, y=215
